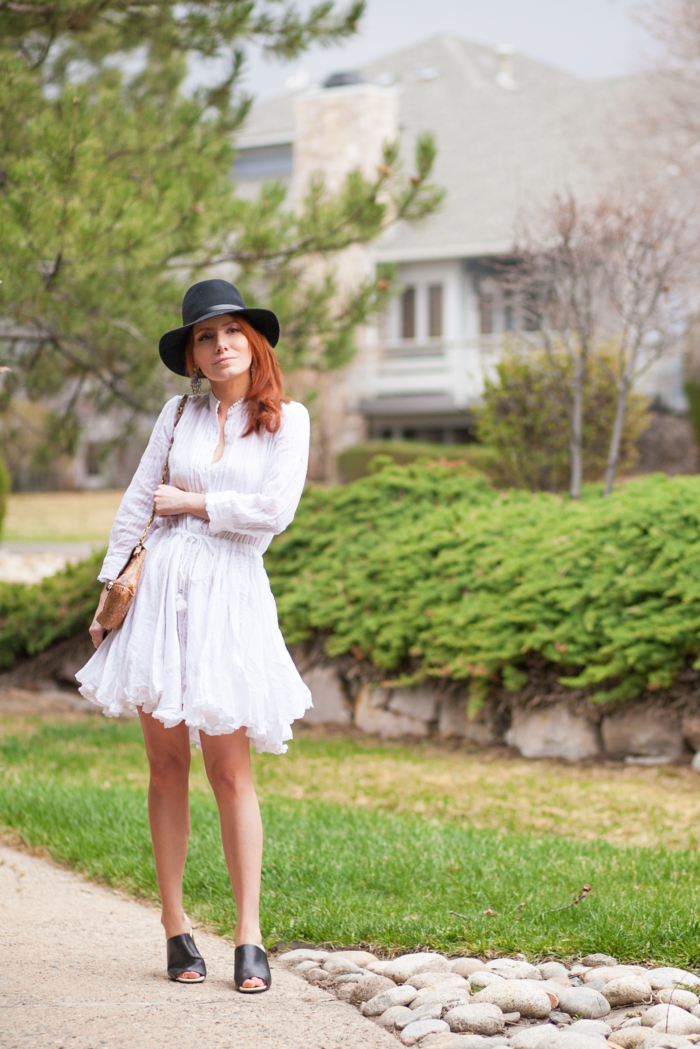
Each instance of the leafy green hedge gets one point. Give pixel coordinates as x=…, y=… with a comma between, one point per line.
x=429, y=573
x=355, y=462
x=33, y=617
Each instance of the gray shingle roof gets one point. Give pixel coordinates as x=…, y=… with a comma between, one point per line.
x=498, y=149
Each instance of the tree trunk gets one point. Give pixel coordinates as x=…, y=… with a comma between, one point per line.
x=576, y=437
x=616, y=440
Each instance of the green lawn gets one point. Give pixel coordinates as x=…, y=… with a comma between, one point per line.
x=351, y=873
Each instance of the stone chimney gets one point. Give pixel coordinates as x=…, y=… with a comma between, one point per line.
x=339, y=128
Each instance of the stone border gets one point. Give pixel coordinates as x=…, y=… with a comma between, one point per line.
x=435, y=1002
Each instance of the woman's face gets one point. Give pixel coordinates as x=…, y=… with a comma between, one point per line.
x=221, y=350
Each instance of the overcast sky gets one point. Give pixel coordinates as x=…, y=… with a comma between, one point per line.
x=592, y=38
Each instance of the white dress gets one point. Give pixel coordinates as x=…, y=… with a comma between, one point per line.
x=201, y=642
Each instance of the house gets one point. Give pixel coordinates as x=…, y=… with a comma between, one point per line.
x=510, y=131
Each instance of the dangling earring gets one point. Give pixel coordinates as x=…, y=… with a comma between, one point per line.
x=196, y=384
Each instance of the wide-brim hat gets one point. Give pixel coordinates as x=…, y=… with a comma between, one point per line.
x=211, y=298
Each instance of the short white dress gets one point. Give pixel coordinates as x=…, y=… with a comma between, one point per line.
x=201, y=642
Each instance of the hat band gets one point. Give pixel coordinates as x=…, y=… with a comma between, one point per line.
x=223, y=306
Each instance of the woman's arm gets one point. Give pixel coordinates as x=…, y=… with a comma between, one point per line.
x=137, y=502
x=96, y=630
x=273, y=507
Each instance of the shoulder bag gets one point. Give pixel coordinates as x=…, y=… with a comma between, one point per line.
x=121, y=591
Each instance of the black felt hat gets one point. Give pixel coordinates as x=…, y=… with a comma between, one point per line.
x=211, y=298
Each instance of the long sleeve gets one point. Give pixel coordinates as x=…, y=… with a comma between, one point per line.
x=137, y=503
x=273, y=507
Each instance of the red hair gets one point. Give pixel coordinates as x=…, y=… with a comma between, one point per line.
x=265, y=396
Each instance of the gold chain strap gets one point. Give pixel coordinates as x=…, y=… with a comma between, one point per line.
x=180, y=409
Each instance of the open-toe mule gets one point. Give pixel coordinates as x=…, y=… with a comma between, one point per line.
x=251, y=962
x=183, y=957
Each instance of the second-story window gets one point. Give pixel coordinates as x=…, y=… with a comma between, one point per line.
x=435, y=311
x=408, y=313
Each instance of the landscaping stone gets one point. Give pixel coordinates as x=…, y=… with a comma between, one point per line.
x=552, y=970
x=361, y=958
x=317, y=976
x=629, y=1037
x=643, y=732
x=483, y=978
x=667, y=976
x=524, y=997
x=330, y=705
x=303, y=967
x=371, y=717
x=627, y=991
x=613, y=972
x=594, y=961
x=591, y=1028
x=691, y=732
x=510, y=969
x=569, y=1039
x=475, y=1041
x=303, y=954
x=427, y=1012
x=377, y=967
x=443, y=1040
x=531, y=1037
x=396, y=1016
x=448, y=996
x=402, y=969
x=484, y=1018
x=415, y=1031
x=558, y=1017
x=585, y=1002
x=347, y=978
x=554, y=732
x=466, y=966
x=421, y=980
x=402, y=995
x=418, y=702
x=672, y=1018
x=369, y=987
x=678, y=996
x=661, y=1040
x=338, y=966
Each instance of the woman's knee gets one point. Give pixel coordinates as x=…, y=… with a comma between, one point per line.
x=168, y=769
x=229, y=779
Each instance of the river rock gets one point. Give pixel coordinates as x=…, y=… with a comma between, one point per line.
x=584, y=1002
x=627, y=991
x=303, y=967
x=593, y=961
x=592, y=1028
x=396, y=1016
x=483, y=978
x=531, y=1037
x=402, y=969
x=483, y=1018
x=673, y=1020
x=677, y=996
x=552, y=970
x=629, y=1037
x=318, y=977
x=558, y=1017
x=448, y=996
x=402, y=995
x=606, y=973
x=361, y=958
x=339, y=966
x=667, y=976
x=442, y=1040
x=517, y=996
x=304, y=955
x=427, y=1012
x=369, y=987
x=421, y=980
x=569, y=1039
x=413, y=1032
x=659, y=1040
x=466, y=966
x=377, y=967
x=511, y=969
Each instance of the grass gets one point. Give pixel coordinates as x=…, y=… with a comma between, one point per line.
x=341, y=870
x=60, y=517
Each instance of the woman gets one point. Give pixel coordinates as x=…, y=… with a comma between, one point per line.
x=200, y=655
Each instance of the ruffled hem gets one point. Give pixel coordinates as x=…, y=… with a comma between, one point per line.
x=201, y=644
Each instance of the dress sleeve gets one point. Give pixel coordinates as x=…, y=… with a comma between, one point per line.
x=273, y=507
x=137, y=502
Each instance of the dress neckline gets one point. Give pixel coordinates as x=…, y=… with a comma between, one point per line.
x=214, y=404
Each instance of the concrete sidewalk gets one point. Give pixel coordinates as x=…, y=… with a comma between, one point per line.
x=84, y=968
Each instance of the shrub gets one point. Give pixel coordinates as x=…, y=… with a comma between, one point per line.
x=427, y=573
x=33, y=617
x=354, y=462
x=5, y=485
x=524, y=420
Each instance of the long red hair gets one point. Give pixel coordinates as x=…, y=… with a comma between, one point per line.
x=265, y=396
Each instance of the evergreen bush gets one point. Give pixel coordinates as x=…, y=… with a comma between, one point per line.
x=354, y=462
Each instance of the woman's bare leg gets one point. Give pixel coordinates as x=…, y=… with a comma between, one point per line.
x=227, y=761
x=168, y=752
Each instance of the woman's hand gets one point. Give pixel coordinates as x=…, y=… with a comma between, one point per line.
x=96, y=630
x=170, y=501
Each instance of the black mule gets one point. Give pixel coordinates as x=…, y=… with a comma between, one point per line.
x=183, y=957
x=251, y=961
